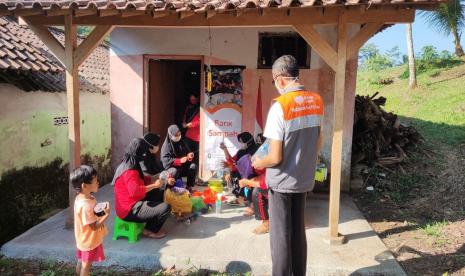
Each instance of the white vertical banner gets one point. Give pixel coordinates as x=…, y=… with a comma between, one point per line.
x=223, y=115
x=222, y=125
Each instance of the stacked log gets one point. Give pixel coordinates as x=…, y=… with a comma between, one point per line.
x=379, y=137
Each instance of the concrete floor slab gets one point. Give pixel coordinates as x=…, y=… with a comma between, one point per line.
x=222, y=242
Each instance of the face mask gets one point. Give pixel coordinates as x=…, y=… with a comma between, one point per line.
x=176, y=139
x=243, y=146
x=283, y=90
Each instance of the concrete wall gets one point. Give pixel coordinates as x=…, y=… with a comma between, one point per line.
x=238, y=46
x=28, y=136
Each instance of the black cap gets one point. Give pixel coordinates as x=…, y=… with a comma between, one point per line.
x=152, y=139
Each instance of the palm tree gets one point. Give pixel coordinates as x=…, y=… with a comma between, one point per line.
x=412, y=80
x=449, y=19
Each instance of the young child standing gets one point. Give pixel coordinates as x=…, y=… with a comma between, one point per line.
x=89, y=229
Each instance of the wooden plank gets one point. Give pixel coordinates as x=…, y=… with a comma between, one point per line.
x=86, y=47
x=318, y=43
x=361, y=37
x=388, y=15
x=160, y=14
x=185, y=14
x=275, y=17
x=80, y=13
x=49, y=40
x=57, y=12
x=338, y=119
x=131, y=13
x=5, y=12
x=270, y=17
x=72, y=94
x=210, y=13
x=28, y=12
x=108, y=12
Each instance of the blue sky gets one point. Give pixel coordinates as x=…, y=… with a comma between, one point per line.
x=423, y=35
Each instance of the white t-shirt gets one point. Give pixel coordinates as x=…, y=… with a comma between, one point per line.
x=274, y=128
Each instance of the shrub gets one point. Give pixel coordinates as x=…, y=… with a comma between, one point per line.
x=430, y=59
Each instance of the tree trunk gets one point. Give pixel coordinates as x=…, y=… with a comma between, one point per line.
x=458, y=47
x=412, y=81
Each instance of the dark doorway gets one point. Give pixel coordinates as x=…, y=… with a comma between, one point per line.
x=171, y=82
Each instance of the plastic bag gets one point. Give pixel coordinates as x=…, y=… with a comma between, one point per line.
x=180, y=203
x=262, y=151
x=197, y=204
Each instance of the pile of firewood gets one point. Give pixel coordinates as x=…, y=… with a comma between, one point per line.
x=379, y=137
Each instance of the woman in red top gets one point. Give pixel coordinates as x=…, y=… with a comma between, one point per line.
x=191, y=122
x=137, y=197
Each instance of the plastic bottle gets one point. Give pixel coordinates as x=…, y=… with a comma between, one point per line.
x=220, y=169
x=218, y=206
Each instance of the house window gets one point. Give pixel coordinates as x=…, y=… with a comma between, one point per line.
x=273, y=45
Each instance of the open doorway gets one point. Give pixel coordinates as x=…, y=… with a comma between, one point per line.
x=170, y=84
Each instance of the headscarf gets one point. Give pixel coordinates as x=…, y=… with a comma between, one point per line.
x=135, y=152
x=246, y=138
x=152, y=139
x=172, y=150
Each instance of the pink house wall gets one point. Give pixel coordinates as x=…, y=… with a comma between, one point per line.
x=126, y=96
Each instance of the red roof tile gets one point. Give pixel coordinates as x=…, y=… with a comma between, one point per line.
x=21, y=50
x=189, y=5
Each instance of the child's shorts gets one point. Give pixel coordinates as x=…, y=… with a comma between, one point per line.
x=94, y=255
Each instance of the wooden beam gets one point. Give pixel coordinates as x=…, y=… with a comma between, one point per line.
x=57, y=12
x=271, y=17
x=86, y=47
x=338, y=125
x=72, y=93
x=108, y=12
x=49, y=40
x=131, y=13
x=160, y=14
x=5, y=12
x=361, y=37
x=387, y=15
x=28, y=12
x=90, y=12
x=274, y=17
x=318, y=43
x=210, y=13
x=186, y=14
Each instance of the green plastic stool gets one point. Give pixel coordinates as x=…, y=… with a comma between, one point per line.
x=130, y=230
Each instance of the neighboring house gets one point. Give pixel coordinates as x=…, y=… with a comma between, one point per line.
x=33, y=116
x=145, y=76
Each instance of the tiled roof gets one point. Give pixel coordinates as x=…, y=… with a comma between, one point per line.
x=26, y=62
x=191, y=5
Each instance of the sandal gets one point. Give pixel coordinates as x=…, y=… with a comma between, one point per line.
x=152, y=235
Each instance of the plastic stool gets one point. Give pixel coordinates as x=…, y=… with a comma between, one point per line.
x=130, y=230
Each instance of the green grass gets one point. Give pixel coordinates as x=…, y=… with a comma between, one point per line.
x=434, y=229
x=436, y=107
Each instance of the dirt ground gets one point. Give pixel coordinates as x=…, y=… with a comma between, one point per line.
x=418, y=210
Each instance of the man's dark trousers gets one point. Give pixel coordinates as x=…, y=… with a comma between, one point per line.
x=287, y=233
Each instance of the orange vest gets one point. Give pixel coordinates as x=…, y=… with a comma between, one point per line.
x=300, y=104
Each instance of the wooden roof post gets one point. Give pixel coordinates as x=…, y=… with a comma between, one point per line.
x=338, y=125
x=72, y=93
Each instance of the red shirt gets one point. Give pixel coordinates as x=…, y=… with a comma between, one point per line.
x=193, y=132
x=129, y=189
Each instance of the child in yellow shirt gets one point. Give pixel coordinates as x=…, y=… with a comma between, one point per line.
x=89, y=229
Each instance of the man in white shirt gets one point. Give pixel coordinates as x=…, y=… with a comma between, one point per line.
x=293, y=127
